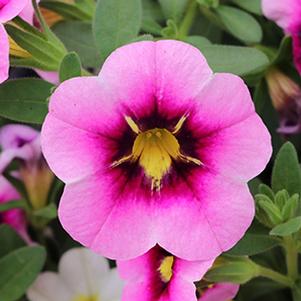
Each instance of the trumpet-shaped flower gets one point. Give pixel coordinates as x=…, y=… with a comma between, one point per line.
x=286, y=13
x=158, y=275
x=8, y=10
x=82, y=276
x=155, y=150
x=14, y=217
x=219, y=292
x=23, y=143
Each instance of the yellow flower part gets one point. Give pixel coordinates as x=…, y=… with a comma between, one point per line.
x=155, y=150
x=16, y=50
x=86, y=298
x=165, y=268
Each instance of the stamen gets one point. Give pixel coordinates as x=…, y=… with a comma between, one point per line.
x=179, y=124
x=132, y=124
x=165, y=268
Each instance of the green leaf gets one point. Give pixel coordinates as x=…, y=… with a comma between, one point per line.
x=286, y=172
x=281, y=198
x=173, y=9
x=9, y=240
x=12, y=205
x=49, y=212
x=198, y=41
x=290, y=208
x=236, y=271
x=77, y=36
x=18, y=270
x=265, y=189
x=234, y=59
x=288, y=228
x=297, y=291
x=24, y=100
x=151, y=26
x=116, y=23
x=240, y=24
x=252, y=244
x=253, y=6
x=47, y=53
x=66, y=10
x=70, y=66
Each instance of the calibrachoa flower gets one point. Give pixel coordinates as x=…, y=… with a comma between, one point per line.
x=23, y=143
x=14, y=217
x=158, y=275
x=82, y=276
x=219, y=292
x=286, y=13
x=155, y=150
x=8, y=10
x=286, y=99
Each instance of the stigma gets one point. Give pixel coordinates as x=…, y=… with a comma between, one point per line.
x=155, y=150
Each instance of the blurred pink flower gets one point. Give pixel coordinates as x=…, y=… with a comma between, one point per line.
x=8, y=10
x=23, y=143
x=220, y=292
x=158, y=275
x=286, y=13
x=155, y=150
x=14, y=217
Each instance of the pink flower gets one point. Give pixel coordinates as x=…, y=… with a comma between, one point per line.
x=220, y=292
x=14, y=217
x=8, y=10
x=286, y=13
x=23, y=143
x=158, y=275
x=155, y=150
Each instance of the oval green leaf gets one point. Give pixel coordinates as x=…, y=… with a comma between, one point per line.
x=290, y=227
x=25, y=100
x=18, y=270
x=240, y=24
x=116, y=23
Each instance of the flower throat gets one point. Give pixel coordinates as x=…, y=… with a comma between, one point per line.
x=155, y=149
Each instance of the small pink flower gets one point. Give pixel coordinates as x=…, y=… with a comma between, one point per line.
x=155, y=150
x=220, y=292
x=158, y=275
x=286, y=13
x=14, y=217
x=23, y=143
x=8, y=10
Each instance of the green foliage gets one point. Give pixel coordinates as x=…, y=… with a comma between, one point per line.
x=290, y=227
x=24, y=100
x=173, y=9
x=70, y=66
x=116, y=23
x=286, y=172
x=18, y=270
x=240, y=24
x=9, y=240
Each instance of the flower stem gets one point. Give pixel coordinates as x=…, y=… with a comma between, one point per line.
x=291, y=253
x=275, y=276
x=188, y=20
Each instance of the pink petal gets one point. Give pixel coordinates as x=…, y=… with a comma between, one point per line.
x=4, y=54
x=50, y=76
x=11, y=9
x=107, y=222
x=220, y=292
x=218, y=211
x=284, y=12
x=232, y=150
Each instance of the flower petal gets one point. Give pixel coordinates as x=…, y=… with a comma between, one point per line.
x=218, y=211
x=49, y=287
x=11, y=9
x=239, y=152
x=220, y=292
x=108, y=220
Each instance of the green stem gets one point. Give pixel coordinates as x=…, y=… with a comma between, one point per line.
x=41, y=19
x=291, y=254
x=188, y=20
x=275, y=276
